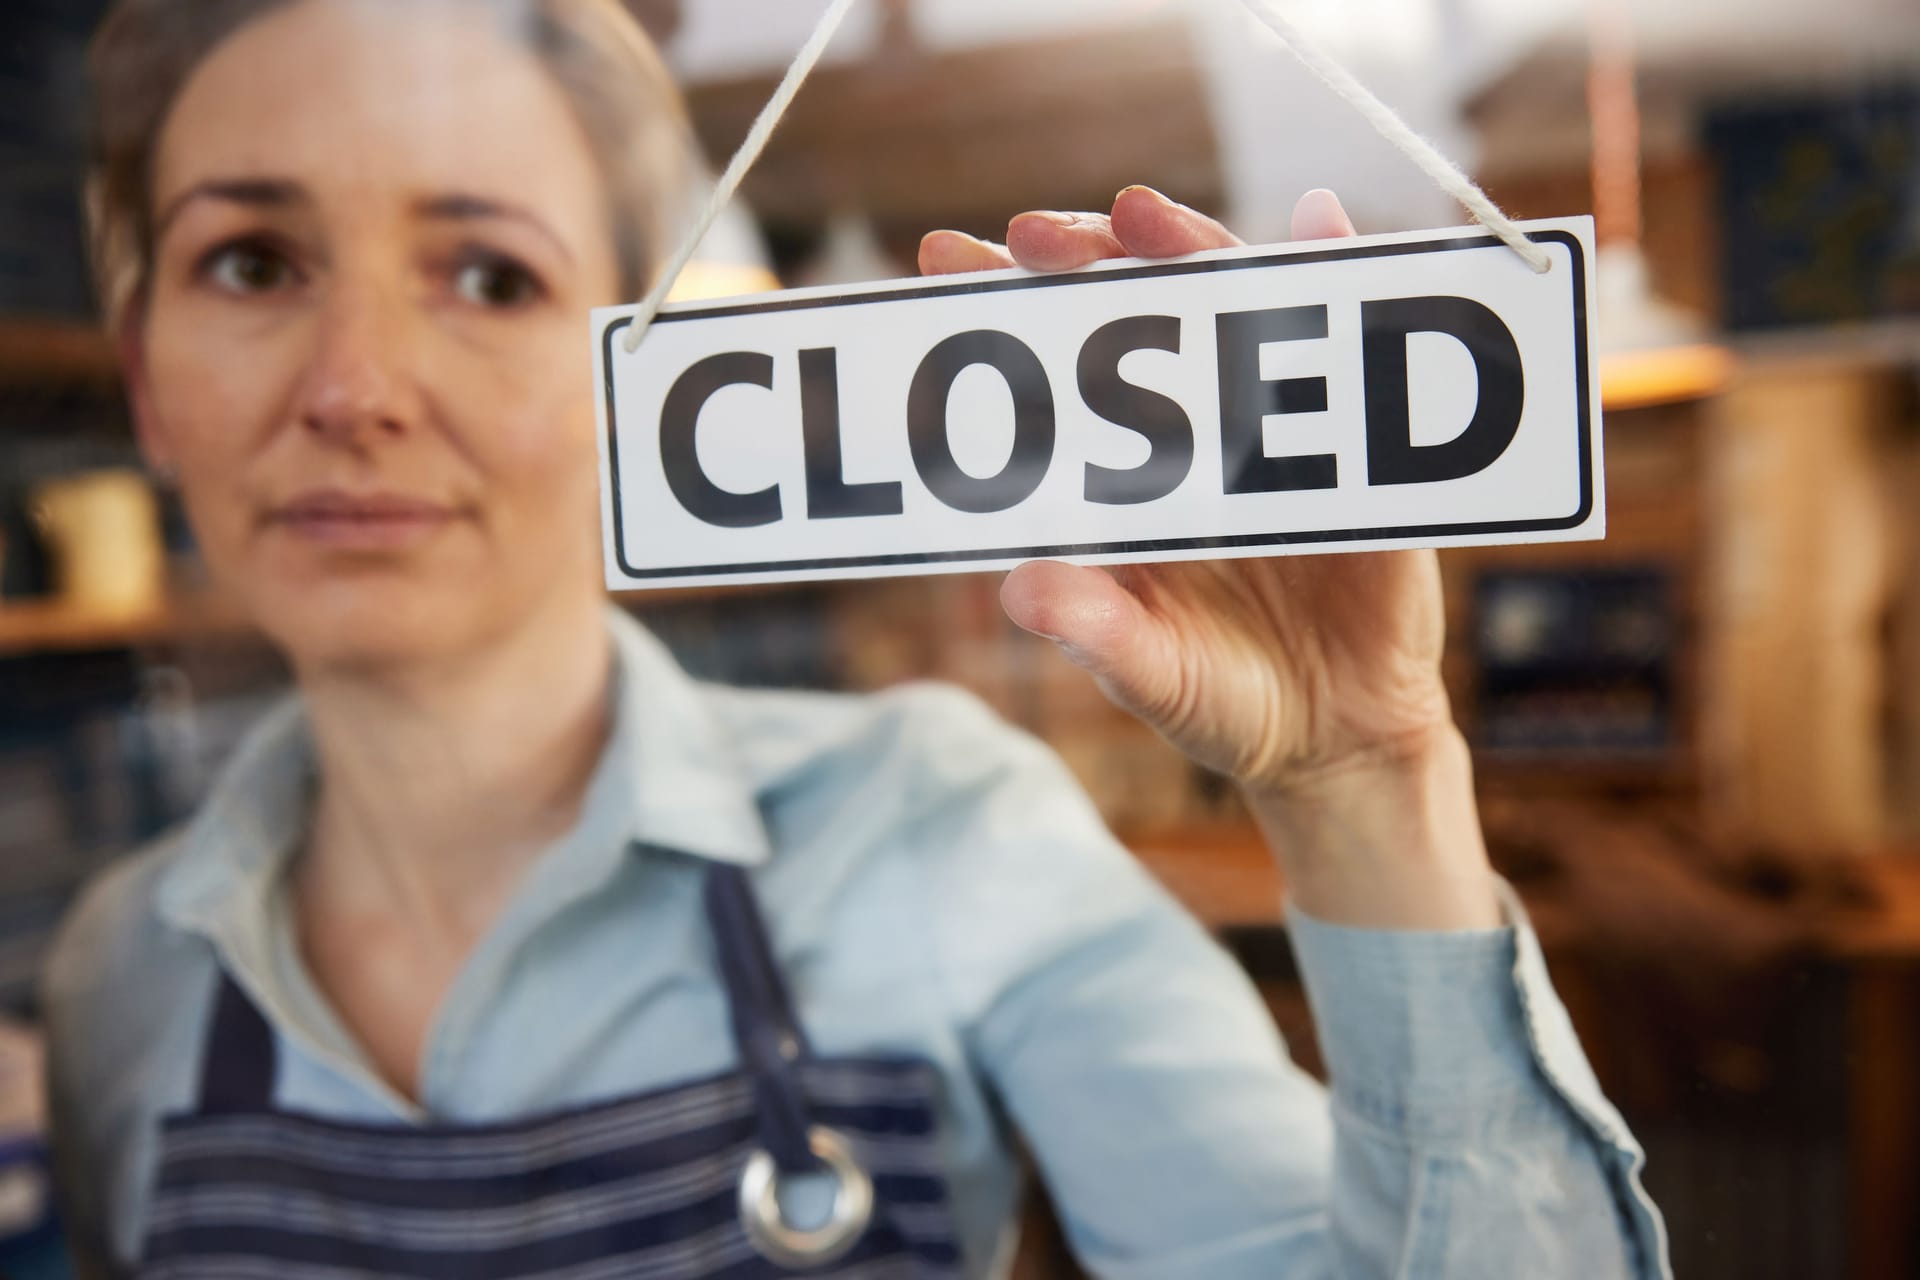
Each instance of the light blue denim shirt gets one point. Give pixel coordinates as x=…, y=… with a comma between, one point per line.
x=935, y=884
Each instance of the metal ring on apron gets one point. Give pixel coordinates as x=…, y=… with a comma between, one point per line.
x=779, y=1241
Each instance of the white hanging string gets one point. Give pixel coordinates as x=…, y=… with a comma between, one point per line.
x=1447, y=175
x=750, y=149
x=1390, y=126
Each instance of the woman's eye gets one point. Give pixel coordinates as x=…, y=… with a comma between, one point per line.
x=495, y=282
x=248, y=268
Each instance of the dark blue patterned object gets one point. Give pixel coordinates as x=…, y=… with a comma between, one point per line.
x=645, y=1188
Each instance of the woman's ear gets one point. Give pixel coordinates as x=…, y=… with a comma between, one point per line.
x=149, y=434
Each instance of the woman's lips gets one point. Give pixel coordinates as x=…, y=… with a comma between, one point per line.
x=361, y=522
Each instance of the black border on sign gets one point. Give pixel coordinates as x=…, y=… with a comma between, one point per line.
x=1582, y=374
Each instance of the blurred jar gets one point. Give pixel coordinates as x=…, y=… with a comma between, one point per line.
x=103, y=530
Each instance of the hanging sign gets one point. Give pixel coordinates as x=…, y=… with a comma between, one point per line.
x=1424, y=389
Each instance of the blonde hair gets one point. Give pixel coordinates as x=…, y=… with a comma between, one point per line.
x=145, y=51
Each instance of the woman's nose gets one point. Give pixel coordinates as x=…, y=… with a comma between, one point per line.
x=357, y=387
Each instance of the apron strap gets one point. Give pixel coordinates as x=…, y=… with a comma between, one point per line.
x=765, y=1031
x=238, y=1059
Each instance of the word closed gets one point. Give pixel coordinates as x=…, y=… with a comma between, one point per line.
x=1387, y=391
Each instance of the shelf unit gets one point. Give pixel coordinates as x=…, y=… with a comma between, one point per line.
x=39, y=352
x=53, y=626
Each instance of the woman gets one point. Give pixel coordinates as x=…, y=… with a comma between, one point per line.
x=506, y=950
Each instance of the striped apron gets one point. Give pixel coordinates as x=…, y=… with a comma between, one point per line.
x=670, y=1185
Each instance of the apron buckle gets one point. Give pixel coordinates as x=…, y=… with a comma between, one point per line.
x=779, y=1241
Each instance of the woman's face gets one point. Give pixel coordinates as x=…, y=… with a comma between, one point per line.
x=378, y=230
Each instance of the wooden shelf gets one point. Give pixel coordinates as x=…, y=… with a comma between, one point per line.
x=1227, y=877
x=54, y=626
x=918, y=138
x=51, y=352
x=1671, y=375
x=1888, y=931
x=1222, y=872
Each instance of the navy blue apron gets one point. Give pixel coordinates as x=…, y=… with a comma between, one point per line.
x=670, y=1185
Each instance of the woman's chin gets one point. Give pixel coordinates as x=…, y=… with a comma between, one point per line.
x=372, y=623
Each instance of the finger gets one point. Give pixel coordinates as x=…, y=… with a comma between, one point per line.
x=1098, y=624
x=949, y=252
x=1048, y=240
x=1320, y=216
x=1152, y=226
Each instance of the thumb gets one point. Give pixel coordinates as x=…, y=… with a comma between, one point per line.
x=1097, y=623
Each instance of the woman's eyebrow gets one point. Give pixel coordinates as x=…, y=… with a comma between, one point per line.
x=270, y=193
x=467, y=207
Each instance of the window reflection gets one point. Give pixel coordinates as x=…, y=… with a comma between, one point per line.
x=1697, y=743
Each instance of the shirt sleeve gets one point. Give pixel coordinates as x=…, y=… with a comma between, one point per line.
x=80, y=1180
x=124, y=1011
x=1464, y=1137
x=82, y=1216
x=1466, y=1110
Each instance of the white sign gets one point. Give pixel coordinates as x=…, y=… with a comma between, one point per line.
x=1427, y=389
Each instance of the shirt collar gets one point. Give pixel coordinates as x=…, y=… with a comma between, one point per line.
x=669, y=778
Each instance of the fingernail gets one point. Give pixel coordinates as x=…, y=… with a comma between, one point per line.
x=1327, y=204
x=1163, y=200
x=1054, y=216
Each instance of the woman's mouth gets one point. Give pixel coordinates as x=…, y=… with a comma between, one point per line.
x=361, y=522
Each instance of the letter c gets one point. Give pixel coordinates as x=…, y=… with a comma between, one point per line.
x=680, y=415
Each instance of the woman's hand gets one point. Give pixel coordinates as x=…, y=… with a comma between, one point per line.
x=1312, y=680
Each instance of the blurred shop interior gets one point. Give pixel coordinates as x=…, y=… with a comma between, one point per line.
x=1698, y=741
